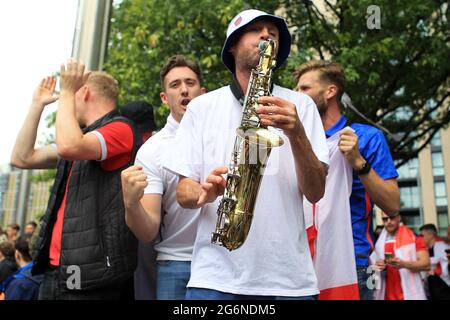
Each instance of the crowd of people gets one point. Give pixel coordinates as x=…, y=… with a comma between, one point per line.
x=16, y=280
x=131, y=211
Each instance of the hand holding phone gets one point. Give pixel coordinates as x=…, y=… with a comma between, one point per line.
x=388, y=255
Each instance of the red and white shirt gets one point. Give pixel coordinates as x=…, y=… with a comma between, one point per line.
x=116, y=141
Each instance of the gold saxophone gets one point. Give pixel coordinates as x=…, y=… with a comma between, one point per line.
x=251, y=151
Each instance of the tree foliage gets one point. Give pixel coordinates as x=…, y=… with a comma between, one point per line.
x=398, y=75
x=144, y=33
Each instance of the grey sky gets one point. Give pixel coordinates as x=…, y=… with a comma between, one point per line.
x=36, y=38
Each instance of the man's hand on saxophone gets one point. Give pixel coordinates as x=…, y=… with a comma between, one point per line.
x=213, y=187
x=279, y=113
x=311, y=173
x=192, y=194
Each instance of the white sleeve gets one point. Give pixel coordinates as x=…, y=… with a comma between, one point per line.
x=151, y=167
x=185, y=155
x=102, y=141
x=314, y=130
x=434, y=261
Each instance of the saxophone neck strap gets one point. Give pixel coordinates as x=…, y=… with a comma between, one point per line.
x=237, y=91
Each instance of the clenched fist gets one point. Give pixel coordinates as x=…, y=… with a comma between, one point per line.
x=348, y=145
x=134, y=182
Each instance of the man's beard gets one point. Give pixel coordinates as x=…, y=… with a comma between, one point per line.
x=322, y=106
x=248, y=60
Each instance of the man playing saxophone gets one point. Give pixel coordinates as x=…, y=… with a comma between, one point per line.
x=274, y=261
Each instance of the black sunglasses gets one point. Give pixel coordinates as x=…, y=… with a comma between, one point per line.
x=385, y=219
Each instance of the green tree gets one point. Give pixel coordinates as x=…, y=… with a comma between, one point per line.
x=398, y=75
x=144, y=33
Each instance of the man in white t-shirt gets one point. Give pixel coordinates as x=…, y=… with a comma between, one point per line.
x=274, y=262
x=150, y=191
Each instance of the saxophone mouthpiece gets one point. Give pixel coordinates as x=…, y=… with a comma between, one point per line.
x=263, y=45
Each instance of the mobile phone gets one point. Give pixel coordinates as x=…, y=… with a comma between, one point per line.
x=388, y=255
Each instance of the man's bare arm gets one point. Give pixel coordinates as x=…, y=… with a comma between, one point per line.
x=142, y=212
x=188, y=192
x=24, y=155
x=192, y=194
x=422, y=262
x=71, y=143
x=144, y=217
x=384, y=193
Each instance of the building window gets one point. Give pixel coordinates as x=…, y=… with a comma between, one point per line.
x=440, y=194
x=409, y=197
x=403, y=113
x=436, y=140
x=437, y=163
x=412, y=220
x=409, y=169
x=442, y=223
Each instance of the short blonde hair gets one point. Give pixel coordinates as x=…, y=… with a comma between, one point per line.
x=329, y=72
x=104, y=84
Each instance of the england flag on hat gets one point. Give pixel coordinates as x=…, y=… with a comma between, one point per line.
x=243, y=19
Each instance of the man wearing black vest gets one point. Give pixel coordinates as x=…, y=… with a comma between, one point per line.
x=85, y=249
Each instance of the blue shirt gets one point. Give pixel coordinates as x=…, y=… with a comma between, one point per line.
x=23, y=285
x=374, y=148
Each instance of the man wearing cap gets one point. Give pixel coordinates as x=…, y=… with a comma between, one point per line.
x=141, y=113
x=150, y=191
x=274, y=261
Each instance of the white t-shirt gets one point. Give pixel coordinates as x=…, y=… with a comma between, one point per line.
x=275, y=258
x=178, y=225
